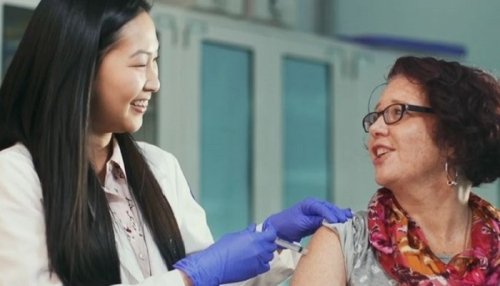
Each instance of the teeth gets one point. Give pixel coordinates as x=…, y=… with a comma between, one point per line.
x=140, y=103
x=381, y=151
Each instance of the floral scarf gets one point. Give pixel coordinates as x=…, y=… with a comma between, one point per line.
x=402, y=251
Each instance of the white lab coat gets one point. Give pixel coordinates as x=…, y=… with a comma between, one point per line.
x=23, y=252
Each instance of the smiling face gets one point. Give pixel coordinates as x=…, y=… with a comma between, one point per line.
x=405, y=153
x=126, y=79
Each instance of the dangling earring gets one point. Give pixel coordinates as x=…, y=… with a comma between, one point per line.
x=463, y=191
x=451, y=181
x=460, y=183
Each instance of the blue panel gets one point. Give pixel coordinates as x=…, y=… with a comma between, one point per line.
x=226, y=137
x=306, y=130
x=407, y=44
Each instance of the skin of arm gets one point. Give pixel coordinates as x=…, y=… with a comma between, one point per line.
x=324, y=263
x=186, y=279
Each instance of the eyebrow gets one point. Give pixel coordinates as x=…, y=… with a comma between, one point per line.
x=140, y=52
x=393, y=101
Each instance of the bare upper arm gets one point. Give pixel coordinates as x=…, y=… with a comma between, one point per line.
x=324, y=263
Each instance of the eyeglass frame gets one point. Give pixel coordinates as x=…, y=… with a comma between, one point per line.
x=405, y=108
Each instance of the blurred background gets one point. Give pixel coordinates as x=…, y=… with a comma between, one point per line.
x=262, y=100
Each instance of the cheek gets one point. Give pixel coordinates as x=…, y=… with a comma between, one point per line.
x=120, y=92
x=128, y=90
x=420, y=149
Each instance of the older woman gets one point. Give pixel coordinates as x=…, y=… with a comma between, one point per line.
x=435, y=134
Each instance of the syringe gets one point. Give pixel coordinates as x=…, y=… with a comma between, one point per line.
x=291, y=245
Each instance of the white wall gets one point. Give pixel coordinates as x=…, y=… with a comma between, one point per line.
x=474, y=24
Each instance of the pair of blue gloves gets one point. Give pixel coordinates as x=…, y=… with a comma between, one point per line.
x=242, y=255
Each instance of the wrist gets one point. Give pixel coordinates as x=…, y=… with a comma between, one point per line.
x=196, y=271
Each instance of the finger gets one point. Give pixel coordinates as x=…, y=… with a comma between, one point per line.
x=269, y=234
x=268, y=227
x=263, y=267
x=314, y=222
x=309, y=206
x=270, y=246
x=346, y=211
x=324, y=209
x=349, y=212
x=341, y=214
x=251, y=227
x=327, y=211
x=266, y=251
x=266, y=256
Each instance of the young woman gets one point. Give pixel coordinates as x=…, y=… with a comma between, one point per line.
x=80, y=202
x=434, y=135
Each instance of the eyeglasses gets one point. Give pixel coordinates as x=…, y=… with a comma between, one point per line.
x=392, y=114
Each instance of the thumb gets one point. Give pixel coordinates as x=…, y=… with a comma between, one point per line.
x=251, y=227
x=314, y=222
x=270, y=229
x=267, y=224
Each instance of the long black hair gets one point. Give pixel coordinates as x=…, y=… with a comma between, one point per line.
x=44, y=104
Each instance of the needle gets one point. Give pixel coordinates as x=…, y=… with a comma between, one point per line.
x=295, y=246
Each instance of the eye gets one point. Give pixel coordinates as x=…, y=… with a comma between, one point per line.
x=396, y=110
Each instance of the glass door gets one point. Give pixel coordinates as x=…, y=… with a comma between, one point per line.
x=226, y=133
x=306, y=130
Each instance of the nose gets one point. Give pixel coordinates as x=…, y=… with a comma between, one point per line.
x=378, y=127
x=152, y=81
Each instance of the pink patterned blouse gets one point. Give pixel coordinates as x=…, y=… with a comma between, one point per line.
x=124, y=212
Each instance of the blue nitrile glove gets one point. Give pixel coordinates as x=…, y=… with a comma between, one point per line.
x=235, y=257
x=305, y=218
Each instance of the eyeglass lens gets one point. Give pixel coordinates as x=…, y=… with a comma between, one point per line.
x=391, y=114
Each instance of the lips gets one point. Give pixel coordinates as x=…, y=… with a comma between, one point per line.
x=140, y=105
x=380, y=151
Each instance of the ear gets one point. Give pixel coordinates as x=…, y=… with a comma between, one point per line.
x=448, y=152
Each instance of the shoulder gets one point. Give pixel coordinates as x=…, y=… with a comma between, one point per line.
x=15, y=160
x=18, y=177
x=353, y=234
x=163, y=164
x=354, y=230
x=152, y=151
x=17, y=153
x=157, y=157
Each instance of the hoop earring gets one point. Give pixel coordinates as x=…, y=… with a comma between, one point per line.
x=451, y=181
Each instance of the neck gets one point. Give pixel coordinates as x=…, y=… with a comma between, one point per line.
x=100, y=146
x=426, y=198
x=440, y=214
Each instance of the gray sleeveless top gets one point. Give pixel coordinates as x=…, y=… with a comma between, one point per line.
x=361, y=264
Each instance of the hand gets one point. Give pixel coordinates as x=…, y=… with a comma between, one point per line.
x=304, y=218
x=235, y=257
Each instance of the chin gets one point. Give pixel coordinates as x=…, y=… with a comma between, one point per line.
x=382, y=180
x=132, y=128
x=131, y=131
